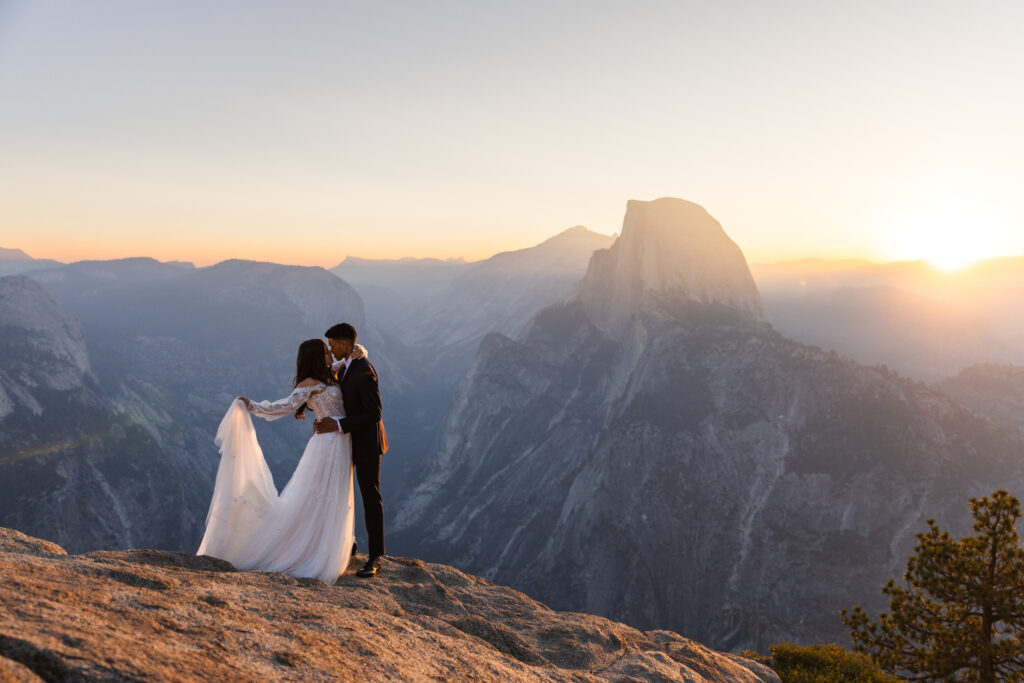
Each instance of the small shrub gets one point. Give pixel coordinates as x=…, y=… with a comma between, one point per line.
x=824, y=664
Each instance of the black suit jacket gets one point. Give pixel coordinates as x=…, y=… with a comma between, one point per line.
x=362, y=419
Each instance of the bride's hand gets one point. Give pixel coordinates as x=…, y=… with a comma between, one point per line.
x=247, y=402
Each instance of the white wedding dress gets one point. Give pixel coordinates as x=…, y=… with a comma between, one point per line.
x=307, y=530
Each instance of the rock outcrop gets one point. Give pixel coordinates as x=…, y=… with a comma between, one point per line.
x=152, y=615
x=670, y=249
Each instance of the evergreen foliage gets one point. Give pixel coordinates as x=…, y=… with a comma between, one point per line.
x=960, y=615
x=824, y=664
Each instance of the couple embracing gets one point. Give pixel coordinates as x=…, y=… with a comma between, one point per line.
x=307, y=530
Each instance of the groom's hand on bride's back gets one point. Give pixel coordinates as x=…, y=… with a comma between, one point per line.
x=325, y=426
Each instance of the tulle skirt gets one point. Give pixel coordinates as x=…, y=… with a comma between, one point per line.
x=306, y=531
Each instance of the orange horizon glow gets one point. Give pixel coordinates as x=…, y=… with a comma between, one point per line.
x=285, y=255
x=167, y=245
x=282, y=254
x=383, y=132
x=202, y=258
x=949, y=231
x=306, y=247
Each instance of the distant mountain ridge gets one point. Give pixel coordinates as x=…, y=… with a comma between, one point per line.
x=501, y=293
x=13, y=255
x=396, y=290
x=446, y=304
x=16, y=262
x=400, y=274
x=990, y=389
x=682, y=465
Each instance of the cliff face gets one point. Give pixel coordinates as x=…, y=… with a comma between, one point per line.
x=655, y=453
x=144, y=614
x=670, y=249
x=71, y=465
x=45, y=345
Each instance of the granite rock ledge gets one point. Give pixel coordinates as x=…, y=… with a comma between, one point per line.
x=157, y=615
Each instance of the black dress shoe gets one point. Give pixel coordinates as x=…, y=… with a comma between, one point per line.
x=371, y=568
x=354, y=544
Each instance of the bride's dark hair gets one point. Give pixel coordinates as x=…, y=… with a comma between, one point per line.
x=311, y=362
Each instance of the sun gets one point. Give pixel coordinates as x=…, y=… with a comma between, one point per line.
x=950, y=233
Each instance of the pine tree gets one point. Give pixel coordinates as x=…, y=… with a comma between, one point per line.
x=960, y=615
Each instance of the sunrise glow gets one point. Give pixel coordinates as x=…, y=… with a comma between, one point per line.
x=950, y=233
x=385, y=130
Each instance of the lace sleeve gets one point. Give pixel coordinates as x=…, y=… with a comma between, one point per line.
x=285, y=406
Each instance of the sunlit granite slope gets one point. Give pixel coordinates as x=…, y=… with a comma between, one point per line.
x=150, y=615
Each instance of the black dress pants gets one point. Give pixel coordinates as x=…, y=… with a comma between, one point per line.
x=368, y=475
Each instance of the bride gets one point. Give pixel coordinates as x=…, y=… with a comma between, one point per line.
x=307, y=530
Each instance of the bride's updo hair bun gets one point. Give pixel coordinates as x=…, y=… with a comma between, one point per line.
x=311, y=362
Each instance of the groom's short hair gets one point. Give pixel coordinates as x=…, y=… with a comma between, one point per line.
x=341, y=331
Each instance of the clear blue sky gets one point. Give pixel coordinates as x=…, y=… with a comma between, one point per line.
x=307, y=131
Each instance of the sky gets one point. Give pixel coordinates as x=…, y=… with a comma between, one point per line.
x=308, y=131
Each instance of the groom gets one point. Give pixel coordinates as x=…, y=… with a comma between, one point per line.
x=361, y=396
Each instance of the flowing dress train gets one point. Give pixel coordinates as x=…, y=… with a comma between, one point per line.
x=307, y=530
